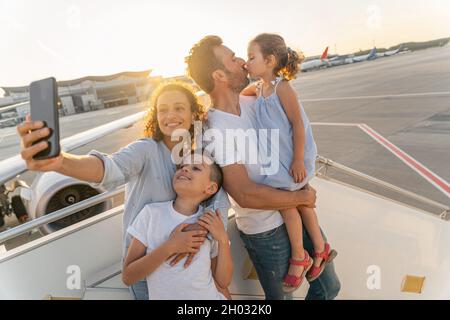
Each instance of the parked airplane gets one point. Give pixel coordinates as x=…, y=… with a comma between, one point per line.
x=316, y=63
x=341, y=60
x=391, y=52
x=350, y=58
x=386, y=249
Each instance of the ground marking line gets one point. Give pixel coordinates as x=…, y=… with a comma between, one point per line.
x=339, y=124
x=435, y=180
x=404, y=95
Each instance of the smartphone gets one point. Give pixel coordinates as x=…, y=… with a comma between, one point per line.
x=44, y=107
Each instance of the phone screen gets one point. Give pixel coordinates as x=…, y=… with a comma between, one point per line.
x=44, y=107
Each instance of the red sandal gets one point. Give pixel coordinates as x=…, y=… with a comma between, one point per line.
x=327, y=255
x=292, y=283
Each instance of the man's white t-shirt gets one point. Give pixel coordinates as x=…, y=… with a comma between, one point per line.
x=153, y=226
x=229, y=151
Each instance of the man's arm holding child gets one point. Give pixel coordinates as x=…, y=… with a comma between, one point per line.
x=139, y=265
x=250, y=90
x=190, y=256
x=249, y=194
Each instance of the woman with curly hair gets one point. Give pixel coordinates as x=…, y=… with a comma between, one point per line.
x=146, y=166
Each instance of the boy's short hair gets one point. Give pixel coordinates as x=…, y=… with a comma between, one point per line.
x=216, y=172
x=216, y=175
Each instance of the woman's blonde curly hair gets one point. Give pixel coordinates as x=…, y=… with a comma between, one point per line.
x=151, y=128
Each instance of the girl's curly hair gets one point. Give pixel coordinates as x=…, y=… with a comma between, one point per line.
x=288, y=60
x=151, y=128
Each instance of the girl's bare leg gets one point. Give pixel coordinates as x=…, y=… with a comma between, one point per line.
x=311, y=223
x=294, y=227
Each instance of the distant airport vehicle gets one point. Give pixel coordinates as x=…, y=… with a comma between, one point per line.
x=316, y=63
x=372, y=55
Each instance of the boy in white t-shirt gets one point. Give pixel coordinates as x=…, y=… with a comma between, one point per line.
x=158, y=234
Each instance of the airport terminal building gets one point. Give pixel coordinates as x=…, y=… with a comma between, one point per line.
x=91, y=92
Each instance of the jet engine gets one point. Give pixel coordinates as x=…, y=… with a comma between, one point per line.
x=52, y=191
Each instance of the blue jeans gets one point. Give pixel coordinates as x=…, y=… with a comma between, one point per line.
x=139, y=290
x=270, y=252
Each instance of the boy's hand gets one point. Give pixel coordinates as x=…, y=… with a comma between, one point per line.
x=186, y=241
x=213, y=223
x=180, y=256
x=298, y=170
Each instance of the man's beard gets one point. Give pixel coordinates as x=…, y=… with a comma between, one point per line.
x=237, y=82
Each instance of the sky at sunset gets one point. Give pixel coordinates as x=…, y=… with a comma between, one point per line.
x=71, y=39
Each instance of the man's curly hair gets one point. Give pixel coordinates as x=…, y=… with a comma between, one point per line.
x=151, y=128
x=202, y=62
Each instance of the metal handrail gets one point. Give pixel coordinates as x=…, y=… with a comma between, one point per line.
x=59, y=214
x=13, y=106
x=330, y=163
